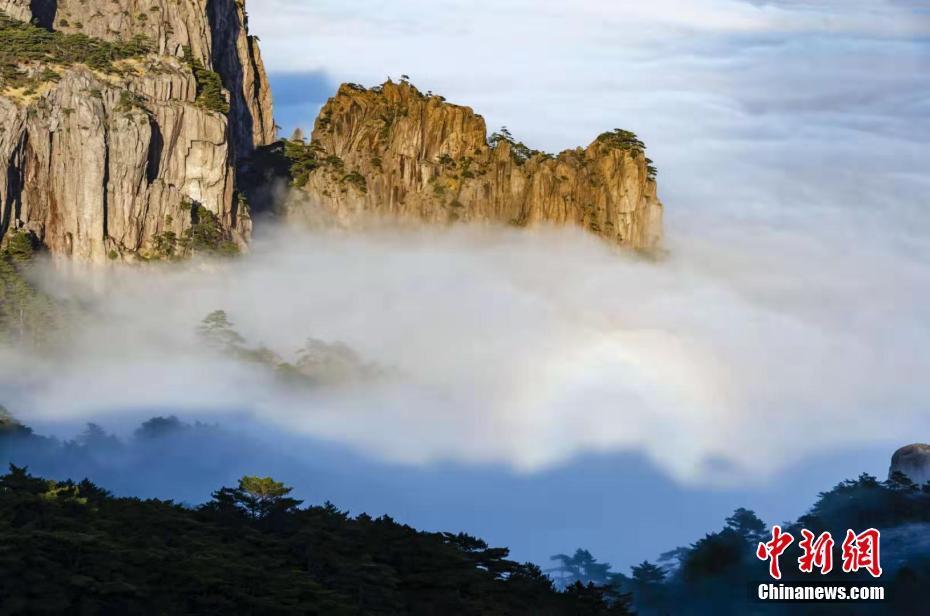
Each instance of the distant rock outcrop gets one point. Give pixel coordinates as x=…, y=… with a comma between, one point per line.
x=394, y=151
x=912, y=461
x=121, y=123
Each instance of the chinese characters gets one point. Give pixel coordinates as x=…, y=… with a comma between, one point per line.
x=859, y=551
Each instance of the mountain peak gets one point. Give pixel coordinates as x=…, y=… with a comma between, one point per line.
x=912, y=461
x=394, y=150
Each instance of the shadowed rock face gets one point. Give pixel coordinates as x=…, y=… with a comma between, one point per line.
x=394, y=151
x=912, y=461
x=116, y=163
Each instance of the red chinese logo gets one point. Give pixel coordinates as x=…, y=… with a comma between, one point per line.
x=859, y=552
x=817, y=553
x=772, y=550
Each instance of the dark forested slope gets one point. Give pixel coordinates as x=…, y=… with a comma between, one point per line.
x=74, y=548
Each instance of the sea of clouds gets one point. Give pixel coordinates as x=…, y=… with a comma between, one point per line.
x=788, y=318
x=727, y=360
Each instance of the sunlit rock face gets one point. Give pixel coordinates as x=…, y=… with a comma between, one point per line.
x=215, y=32
x=394, y=151
x=912, y=461
x=17, y=9
x=114, y=160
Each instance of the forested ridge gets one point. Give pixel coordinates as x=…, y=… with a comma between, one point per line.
x=69, y=547
x=73, y=547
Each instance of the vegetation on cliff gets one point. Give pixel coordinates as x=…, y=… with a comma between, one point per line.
x=25, y=43
x=27, y=316
x=519, y=151
x=303, y=159
x=628, y=141
x=210, y=92
x=317, y=363
x=205, y=236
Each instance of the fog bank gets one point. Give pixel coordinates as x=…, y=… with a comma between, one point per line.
x=736, y=355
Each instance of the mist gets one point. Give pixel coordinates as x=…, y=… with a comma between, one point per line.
x=787, y=321
x=734, y=356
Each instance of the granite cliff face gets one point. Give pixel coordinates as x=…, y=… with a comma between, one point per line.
x=912, y=461
x=394, y=151
x=121, y=124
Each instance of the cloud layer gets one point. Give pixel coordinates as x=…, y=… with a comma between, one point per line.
x=557, y=73
x=788, y=320
x=729, y=360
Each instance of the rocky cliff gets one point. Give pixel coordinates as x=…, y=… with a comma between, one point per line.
x=121, y=124
x=394, y=151
x=912, y=461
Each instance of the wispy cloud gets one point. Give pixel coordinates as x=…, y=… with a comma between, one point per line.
x=687, y=76
x=744, y=351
